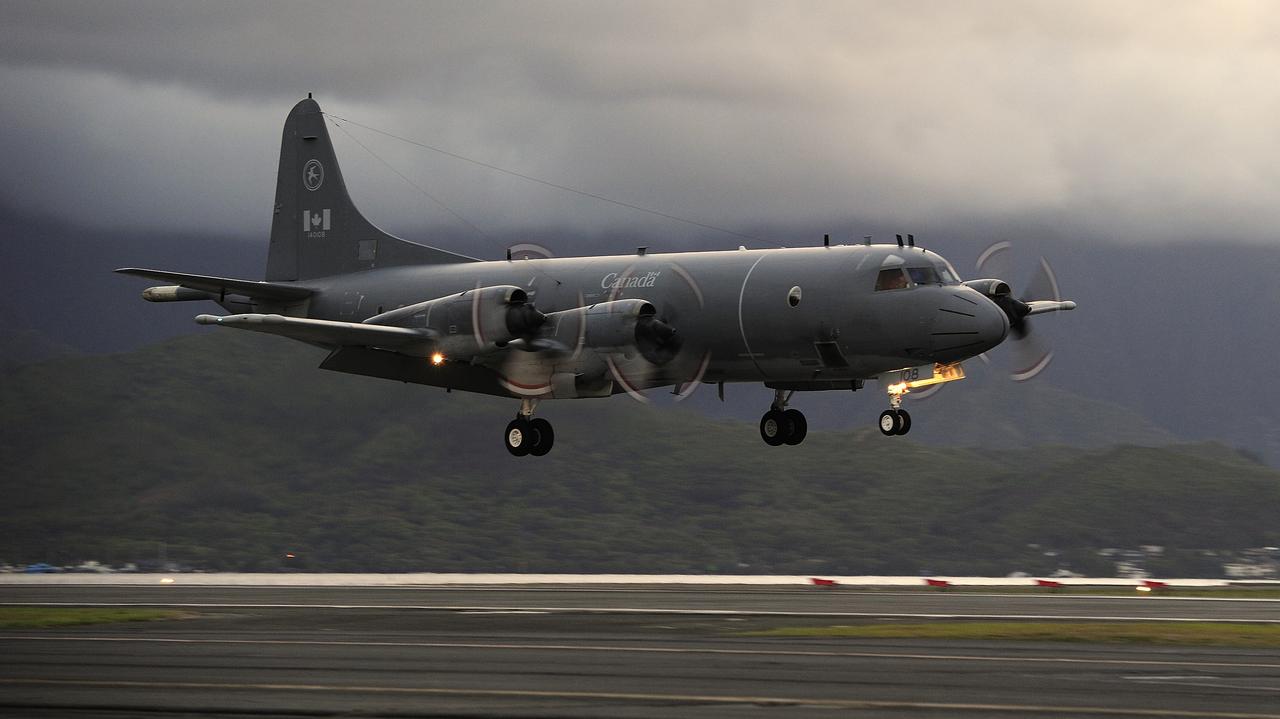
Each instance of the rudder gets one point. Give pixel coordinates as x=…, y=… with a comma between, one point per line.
x=316, y=230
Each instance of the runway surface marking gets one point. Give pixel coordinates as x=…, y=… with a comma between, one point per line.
x=639, y=697
x=654, y=650
x=1185, y=682
x=638, y=610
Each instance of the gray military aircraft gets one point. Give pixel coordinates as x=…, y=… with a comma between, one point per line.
x=800, y=319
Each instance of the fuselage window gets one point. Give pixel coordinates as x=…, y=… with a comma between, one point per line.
x=924, y=275
x=891, y=280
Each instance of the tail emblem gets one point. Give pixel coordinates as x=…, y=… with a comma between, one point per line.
x=312, y=175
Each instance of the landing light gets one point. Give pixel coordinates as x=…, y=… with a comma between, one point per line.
x=437, y=359
x=923, y=377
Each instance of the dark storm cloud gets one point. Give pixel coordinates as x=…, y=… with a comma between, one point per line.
x=1147, y=120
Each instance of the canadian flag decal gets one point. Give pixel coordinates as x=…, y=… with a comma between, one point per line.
x=315, y=221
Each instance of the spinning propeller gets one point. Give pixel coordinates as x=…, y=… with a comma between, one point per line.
x=1031, y=352
x=663, y=355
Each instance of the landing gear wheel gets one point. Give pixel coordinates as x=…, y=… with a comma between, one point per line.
x=773, y=428
x=889, y=423
x=904, y=422
x=543, y=437
x=519, y=437
x=796, y=425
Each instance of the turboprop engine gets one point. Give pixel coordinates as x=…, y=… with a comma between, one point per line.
x=469, y=323
x=619, y=326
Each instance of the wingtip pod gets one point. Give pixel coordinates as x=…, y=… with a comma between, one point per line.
x=207, y=319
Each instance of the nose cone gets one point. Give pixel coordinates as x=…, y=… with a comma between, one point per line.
x=966, y=325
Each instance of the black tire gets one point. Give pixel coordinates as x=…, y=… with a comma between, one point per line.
x=544, y=437
x=518, y=437
x=889, y=423
x=904, y=422
x=773, y=428
x=797, y=426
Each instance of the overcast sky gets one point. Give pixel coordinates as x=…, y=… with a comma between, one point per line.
x=1147, y=120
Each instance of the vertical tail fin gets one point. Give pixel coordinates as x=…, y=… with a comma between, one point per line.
x=316, y=230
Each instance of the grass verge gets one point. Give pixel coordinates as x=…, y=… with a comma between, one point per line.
x=1185, y=634
x=42, y=617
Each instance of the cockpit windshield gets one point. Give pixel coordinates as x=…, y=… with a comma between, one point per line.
x=901, y=278
x=924, y=276
x=891, y=280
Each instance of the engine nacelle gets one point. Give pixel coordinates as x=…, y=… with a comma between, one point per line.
x=990, y=288
x=999, y=292
x=471, y=322
x=612, y=325
x=616, y=326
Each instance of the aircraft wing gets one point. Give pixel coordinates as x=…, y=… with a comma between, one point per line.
x=324, y=332
x=224, y=285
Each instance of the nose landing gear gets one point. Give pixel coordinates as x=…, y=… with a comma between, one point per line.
x=781, y=426
x=527, y=435
x=895, y=420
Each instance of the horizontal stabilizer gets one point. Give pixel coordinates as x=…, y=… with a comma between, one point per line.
x=323, y=332
x=218, y=286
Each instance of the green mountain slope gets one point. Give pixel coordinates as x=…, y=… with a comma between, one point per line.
x=233, y=450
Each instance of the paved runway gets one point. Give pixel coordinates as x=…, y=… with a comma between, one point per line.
x=800, y=601
x=522, y=652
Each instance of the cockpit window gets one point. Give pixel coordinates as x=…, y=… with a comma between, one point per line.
x=924, y=275
x=948, y=276
x=891, y=280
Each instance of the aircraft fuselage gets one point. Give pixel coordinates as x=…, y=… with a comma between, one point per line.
x=793, y=317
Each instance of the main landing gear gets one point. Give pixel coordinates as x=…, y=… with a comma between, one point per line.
x=527, y=435
x=781, y=426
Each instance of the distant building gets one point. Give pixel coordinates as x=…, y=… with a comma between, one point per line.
x=1241, y=570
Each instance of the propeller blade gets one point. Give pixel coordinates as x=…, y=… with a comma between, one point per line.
x=662, y=355
x=1031, y=355
x=995, y=262
x=684, y=391
x=627, y=385
x=1043, y=285
x=1019, y=330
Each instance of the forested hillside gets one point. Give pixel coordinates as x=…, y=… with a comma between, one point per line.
x=233, y=450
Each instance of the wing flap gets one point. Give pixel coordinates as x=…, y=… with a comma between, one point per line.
x=324, y=332
x=225, y=285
